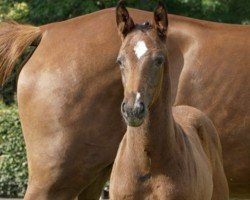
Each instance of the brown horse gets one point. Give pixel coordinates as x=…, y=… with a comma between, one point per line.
x=164, y=154
x=69, y=95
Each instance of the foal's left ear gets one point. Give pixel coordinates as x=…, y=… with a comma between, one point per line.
x=125, y=24
x=161, y=20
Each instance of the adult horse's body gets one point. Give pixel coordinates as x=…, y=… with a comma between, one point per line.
x=69, y=95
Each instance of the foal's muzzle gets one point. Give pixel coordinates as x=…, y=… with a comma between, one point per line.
x=133, y=114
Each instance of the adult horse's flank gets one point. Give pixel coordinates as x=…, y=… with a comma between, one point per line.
x=69, y=95
x=161, y=156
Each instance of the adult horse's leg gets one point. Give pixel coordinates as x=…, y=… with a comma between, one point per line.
x=70, y=117
x=65, y=151
x=93, y=191
x=69, y=109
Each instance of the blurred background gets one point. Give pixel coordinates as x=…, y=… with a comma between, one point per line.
x=13, y=164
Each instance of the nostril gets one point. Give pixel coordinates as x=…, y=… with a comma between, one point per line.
x=123, y=107
x=142, y=107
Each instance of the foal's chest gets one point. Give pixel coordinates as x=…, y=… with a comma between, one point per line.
x=150, y=187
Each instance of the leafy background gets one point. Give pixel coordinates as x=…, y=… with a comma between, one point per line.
x=44, y=11
x=13, y=163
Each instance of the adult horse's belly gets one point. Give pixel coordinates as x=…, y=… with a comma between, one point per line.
x=70, y=91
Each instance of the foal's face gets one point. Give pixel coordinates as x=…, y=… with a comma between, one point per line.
x=141, y=60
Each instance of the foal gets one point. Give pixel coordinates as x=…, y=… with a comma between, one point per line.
x=166, y=153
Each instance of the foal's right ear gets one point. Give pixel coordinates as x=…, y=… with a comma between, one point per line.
x=124, y=22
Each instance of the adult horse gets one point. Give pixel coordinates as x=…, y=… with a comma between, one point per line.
x=69, y=95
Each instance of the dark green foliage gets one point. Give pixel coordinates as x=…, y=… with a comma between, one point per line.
x=13, y=163
x=231, y=11
x=44, y=11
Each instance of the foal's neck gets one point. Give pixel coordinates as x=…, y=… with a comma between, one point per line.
x=155, y=138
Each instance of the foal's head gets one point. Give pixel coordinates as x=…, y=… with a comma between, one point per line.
x=142, y=58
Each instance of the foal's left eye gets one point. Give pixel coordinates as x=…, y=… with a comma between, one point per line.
x=159, y=61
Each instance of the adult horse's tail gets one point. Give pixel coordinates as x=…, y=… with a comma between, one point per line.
x=14, y=39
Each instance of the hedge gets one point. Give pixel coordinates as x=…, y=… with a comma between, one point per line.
x=13, y=162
